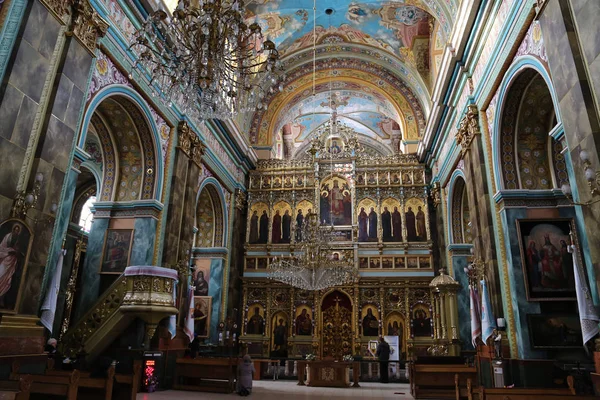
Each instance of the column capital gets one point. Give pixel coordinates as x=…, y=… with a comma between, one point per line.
x=469, y=128
x=88, y=25
x=190, y=143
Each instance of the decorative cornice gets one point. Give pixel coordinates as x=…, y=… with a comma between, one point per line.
x=88, y=25
x=469, y=128
x=240, y=199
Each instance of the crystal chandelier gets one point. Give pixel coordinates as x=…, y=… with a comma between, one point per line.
x=316, y=267
x=207, y=59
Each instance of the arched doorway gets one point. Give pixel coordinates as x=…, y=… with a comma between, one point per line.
x=336, y=322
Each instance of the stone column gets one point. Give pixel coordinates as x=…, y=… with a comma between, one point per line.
x=479, y=198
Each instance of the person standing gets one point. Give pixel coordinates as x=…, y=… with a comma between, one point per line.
x=383, y=353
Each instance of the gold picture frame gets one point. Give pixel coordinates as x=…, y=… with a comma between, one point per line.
x=116, y=251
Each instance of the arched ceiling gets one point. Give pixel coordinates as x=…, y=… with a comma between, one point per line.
x=378, y=58
x=373, y=57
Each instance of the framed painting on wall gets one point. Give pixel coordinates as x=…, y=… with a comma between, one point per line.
x=15, y=245
x=202, y=311
x=547, y=265
x=117, y=249
x=555, y=331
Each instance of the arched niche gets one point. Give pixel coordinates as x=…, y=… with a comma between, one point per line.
x=530, y=158
x=209, y=218
x=460, y=216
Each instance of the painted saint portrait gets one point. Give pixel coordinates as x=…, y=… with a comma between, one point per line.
x=15, y=243
x=547, y=265
x=555, y=331
x=421, y=321
x=201, y=276
x=279, y=324
x=395, y=327
x=256, y=320
x=202, y=311
x=303, y=321
x=117, y=249
x=370, y=321
x=336, y=202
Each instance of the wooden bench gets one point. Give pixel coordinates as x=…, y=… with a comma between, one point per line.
x=66, y=386
x=86, y=381
x=15, y=390
x=482, y=393
x=430, y=381
x=129, y=381
x=206, y=374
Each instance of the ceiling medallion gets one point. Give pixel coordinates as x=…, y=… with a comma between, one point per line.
x=207, y=59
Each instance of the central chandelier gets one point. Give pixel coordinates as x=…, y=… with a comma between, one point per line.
x=316, y=267
x=208, y=59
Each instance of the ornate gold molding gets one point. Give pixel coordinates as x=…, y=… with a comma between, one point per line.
x=88, y=25
x=190, y=143
x=469, y=128
x=240, y=199
x=60, y=8
x=436, y=194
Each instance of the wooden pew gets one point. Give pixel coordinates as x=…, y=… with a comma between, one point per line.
x=85, y=381
x=482, y=393
x=131, y=381
x=15, y=390
x=66, y=386
x=206, y=374
x=465, y=392
x=430, y=381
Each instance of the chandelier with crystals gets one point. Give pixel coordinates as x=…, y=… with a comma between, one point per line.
x=316, y=267
x=208, y=59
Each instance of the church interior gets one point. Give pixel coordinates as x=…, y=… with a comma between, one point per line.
x=320, y=197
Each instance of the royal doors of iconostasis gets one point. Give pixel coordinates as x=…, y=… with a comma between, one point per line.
x=336, y=323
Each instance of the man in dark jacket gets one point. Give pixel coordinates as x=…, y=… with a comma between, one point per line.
x=383, y=353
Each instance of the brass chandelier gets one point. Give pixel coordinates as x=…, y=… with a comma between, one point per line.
x=316, y=267
x=207, y=59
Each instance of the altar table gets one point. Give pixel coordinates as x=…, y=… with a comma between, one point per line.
x=328, y=373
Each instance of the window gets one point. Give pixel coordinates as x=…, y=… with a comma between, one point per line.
x=86, y=218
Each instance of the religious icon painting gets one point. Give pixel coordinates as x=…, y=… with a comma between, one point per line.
x=360, y=179
x=416, y=221
x=552, y=331
x=394, y=326
x=421, y=321
x=374, y=262
x=255, y=319
x=336, y=201
x=424, y=262
x=15, y=244
x=258, y=232
x=363, y=262
x=279, y=327
x=334, y=145
x=547, y=264
x=412, y=262
x=399, y=262
x=391, y=220
x=117, y=249
x=370, y=320
x=250, y=263
x=201, y=276
x=261, y=263
x=366, y=219
x=373, y=348
x=202, y=313
x=303, y=321
x=387, y=262
x=282, y=223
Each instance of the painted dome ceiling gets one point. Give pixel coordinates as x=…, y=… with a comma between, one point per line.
x=376, y=62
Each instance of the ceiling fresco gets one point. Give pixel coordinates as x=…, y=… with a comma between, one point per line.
x=388, y=25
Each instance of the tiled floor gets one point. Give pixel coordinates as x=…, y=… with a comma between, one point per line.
x=289, y=390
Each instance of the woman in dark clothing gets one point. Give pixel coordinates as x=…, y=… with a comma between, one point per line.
x=383, y=353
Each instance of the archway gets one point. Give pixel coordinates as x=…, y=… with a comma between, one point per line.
x=530, y=158
x=336, y=320
x=460, y=214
